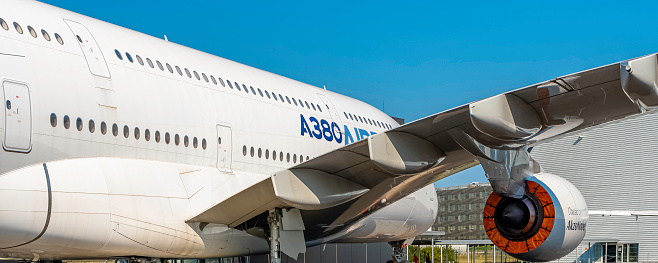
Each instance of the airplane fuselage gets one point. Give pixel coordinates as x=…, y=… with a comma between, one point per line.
x=80, y=94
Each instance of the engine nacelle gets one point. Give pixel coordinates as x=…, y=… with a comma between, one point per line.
x=546, y=224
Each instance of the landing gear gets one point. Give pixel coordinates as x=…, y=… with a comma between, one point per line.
x=275, y=222
x=399, y=256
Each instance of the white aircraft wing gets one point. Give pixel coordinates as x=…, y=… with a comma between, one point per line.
x=355, y=180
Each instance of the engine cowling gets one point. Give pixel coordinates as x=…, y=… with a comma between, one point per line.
x=546, y=224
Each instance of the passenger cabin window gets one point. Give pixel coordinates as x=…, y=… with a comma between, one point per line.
x=159, y=65
x=118, y=54
x=103, y=128
x=195, y=143
x=147, y=135
x=53, y=120
x=59, y=38
x=67, y=122
x=196, y=75
x=139, y=60
x=180, y=72
x=126, y=131
x=115, y=130
x=157, y=136
x=203, y=144
x=187, y=72
x=4, y=25
x=32, y=32
x=137, y=133
x=129, y=57
x=150, y=62
x=92, y=126
x=167, y=138
x=171, y=70
x=45, y=35
x=186, y=141
x=177, y=139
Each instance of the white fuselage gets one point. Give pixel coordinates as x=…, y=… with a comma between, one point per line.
x=122, y=194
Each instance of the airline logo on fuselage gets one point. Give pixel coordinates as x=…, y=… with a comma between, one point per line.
x=330, y=131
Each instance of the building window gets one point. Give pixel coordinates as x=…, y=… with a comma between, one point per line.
x=451, y=208
x=473, y=206
x=451, y=197
x=472, y=217
x=472, y=195
x=442, y=208
x=462, y=218
x=461, y=207
x=442, y=198
x=462, y=196
x=451, y=218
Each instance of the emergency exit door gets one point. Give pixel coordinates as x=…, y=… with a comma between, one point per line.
x=224, y=142
x=90, y=49
x=18, y=117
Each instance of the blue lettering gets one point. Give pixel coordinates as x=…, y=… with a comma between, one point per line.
x=358, y=134
x=364, y=133
x=316, y=126
x=372, y=133
x=326, y=130
x=335, y=127
x=348, y=136
x=305, y=128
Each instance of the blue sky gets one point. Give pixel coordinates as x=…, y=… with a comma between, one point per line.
x=419, y=58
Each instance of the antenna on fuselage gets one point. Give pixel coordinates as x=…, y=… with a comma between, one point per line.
x=325, y=87
x=166, y=38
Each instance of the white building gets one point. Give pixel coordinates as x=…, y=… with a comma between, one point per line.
x=615, y=166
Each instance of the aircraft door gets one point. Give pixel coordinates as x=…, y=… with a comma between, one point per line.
x=90, y=49
x=18, y=117
x=224, y=142
x=335, y=116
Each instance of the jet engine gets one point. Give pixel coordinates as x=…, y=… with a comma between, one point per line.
x=547, y=223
